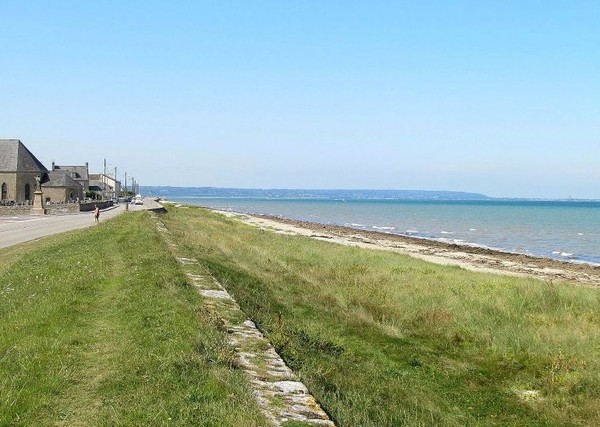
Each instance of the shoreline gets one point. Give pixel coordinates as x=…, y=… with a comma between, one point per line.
x=472, y=258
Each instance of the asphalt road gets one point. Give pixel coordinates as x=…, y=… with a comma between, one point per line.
x=19, y=229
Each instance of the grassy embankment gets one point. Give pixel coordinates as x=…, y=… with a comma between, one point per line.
x=100, y=328
x=386, y=340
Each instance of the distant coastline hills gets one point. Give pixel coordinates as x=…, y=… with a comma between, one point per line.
x=342, y=194
x=167, y=192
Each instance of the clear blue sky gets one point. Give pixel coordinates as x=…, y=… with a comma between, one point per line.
x=498, y=97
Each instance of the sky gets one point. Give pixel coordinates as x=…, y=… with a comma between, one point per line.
x=495, y=97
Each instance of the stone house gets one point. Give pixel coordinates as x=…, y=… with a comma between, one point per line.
x=79, y=173
x=19, y=169
x=61, y=188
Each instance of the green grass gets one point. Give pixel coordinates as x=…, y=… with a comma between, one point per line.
x=100, y=328
x=383, y=339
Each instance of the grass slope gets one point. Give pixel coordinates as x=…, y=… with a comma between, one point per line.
x=100, y=327
x=383, y=339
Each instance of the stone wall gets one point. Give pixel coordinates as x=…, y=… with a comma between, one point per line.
x=62, y=194
x=59, y=209
x=55, y=209
x=10, y=179
x=24, y=179
x=15, y=210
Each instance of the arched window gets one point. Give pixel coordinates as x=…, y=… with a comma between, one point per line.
x=4, y=192
x=27, y=192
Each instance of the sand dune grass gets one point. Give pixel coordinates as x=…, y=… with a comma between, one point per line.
x=382, y=339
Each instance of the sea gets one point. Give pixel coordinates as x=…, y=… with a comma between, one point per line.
x=566, y=230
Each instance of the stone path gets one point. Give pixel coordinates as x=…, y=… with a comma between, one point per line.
x=280, y=394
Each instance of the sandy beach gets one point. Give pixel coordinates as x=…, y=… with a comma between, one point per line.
x=468, y=257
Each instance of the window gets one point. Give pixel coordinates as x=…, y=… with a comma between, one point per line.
x=27, y=192
x=4, y=192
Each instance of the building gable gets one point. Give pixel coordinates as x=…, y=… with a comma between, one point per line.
x=15, y=157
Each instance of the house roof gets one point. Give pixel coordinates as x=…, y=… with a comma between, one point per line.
x=60, y=179
x=15, y=157
x=76, y=172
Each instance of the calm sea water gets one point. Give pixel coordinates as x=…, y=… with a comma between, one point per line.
x=551, y=229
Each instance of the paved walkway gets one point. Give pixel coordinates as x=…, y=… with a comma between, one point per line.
x=23, y=228
x=20, y=229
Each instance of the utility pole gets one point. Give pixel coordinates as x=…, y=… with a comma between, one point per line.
x=116, y=196
x=104, y=182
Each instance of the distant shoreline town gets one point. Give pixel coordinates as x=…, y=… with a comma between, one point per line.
x=27, y=186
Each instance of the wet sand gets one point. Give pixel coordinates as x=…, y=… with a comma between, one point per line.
x=468, y=257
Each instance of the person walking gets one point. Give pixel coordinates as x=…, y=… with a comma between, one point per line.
x=96, y=213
